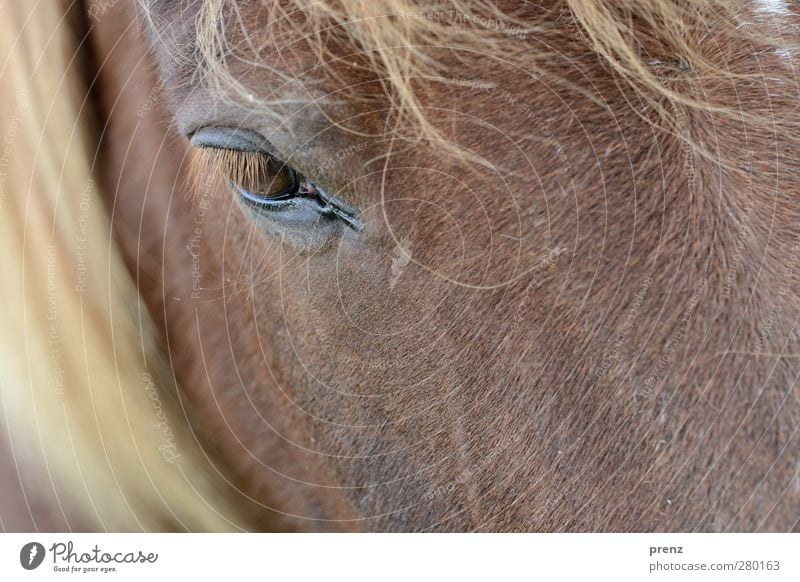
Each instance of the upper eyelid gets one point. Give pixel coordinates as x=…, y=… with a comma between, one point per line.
x=238, y=140
x=230, y=138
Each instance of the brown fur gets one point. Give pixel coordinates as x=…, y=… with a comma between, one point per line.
x=595, y=329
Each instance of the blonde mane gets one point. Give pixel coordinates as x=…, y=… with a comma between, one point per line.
x=81, y=367
x=673, y=53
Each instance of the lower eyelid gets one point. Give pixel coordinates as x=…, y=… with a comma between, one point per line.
x=305, y=230
x=322, y=205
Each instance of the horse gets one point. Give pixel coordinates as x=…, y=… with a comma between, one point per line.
x=284, y=265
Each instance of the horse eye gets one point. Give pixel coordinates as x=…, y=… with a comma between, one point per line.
x=267, y=185
x=238, y=156
x=261, y=179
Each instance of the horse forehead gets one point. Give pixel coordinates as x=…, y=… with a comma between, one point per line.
x=281, y=91
x=169, y=26
x=175, y=25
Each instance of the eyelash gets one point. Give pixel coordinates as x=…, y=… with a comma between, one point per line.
x=266, y=182
x=256, y=175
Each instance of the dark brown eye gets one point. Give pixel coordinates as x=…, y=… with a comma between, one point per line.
x=267, y=185
x=256, y=176
x=263, y=178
